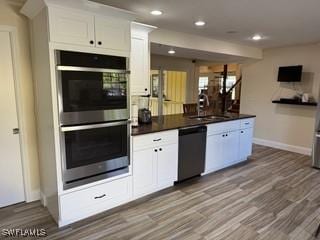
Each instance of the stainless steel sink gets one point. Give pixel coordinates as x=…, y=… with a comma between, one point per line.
x=198, y=117
x=209, y=117
x=215, y=118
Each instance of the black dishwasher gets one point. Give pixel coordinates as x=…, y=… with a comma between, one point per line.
x=192, y=152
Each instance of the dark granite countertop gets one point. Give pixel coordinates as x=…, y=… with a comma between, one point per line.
x=177, y=121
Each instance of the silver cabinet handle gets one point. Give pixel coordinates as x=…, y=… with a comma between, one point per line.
x=92, y=126
x=89, y=69
x=102, y=196
x=157, y=140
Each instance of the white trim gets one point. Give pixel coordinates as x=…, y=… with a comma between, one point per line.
x=30, y=195
x=43, y=199
x=283, y=146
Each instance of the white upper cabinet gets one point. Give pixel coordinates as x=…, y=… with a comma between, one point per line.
x=112, y=33
x=73, y=27
x=86, y=29
x=140, y=59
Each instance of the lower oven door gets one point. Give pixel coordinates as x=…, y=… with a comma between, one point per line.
x=93, y=152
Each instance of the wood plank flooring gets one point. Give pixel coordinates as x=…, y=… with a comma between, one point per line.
x=273, y=196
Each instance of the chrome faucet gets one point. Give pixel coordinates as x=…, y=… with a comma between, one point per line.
x=202, y=98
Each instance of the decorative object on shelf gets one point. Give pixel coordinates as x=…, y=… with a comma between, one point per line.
x=305, y=97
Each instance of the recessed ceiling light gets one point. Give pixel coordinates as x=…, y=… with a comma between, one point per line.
x=171, y=51
x=257, y=37
x=200, y=23
x=156, y=12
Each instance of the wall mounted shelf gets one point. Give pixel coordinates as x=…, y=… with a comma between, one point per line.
x=296, y=103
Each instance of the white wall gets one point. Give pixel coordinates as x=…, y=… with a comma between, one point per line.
x=285, y=126
x=10, y=16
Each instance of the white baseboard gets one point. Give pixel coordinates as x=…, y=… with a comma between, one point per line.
x=33, y=196
x=283, y=146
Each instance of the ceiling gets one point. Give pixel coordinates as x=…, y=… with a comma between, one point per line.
x=161, y=49
x=281, y=22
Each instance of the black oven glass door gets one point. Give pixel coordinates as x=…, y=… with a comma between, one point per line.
x=91, y=91
x=97, y=145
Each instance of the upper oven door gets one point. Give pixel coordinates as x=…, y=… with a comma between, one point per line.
x=88, y=91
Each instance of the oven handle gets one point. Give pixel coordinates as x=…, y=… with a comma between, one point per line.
x=89, y=69
x=92, y=126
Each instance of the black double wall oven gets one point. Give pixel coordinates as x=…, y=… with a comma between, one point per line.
x=93, y=112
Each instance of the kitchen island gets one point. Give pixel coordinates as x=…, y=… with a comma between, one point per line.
x=177, y=121
x=155, y=147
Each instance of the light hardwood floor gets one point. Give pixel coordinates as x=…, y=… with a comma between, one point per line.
x=275, y=195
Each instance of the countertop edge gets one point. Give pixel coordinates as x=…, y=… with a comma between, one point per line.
x=190, y=125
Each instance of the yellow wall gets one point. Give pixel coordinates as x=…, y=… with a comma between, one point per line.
x=175, y=86
x=10, y=16
x=174, y=91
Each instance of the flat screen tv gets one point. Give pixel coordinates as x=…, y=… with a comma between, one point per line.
x=290, y=74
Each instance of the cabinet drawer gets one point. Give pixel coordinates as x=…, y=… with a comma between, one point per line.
x=247, y=123
x=217, y=128
x=154, y=139
x=83, y=203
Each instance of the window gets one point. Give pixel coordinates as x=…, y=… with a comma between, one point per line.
x=203, y=83
x=231, y=80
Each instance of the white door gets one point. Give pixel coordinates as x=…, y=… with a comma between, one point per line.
x=143, y=167
x=11, y=180
x=215, y=152
x=245, y=143
x=112, y=33
x=167, y=165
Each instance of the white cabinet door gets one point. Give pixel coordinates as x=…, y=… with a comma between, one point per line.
x=143, y=168
x=71, y=27
x=245, y=143
x=167, y=165
x=231, y=148
x=139, y=64
x=112, y=34
x=215, y=152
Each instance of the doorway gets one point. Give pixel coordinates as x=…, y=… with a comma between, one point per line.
x=11, y=177
x=169, y=89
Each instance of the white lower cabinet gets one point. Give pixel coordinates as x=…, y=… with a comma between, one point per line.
x=167, y=165
x=231, y=148
x=156, y=166
x=86, y=202
x=245, y=138
x=143, y=168
x=214, y=152
x=228, y=143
